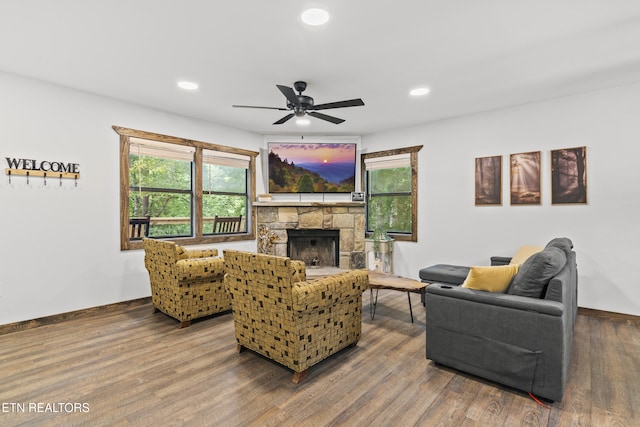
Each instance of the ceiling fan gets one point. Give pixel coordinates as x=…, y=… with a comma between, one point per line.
x=300, y=105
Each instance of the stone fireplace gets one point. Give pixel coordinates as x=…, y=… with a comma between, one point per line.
x=334, y=227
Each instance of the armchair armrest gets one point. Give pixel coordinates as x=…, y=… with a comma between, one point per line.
x=199, y=268
x=299, y=270
x=184, y=253
x=330, y=290
x=516, y=302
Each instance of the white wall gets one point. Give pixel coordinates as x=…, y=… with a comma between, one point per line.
x=605, y=232
x=60, y=249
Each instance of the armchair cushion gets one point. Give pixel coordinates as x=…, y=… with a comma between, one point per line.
x=536, y=272
x=492, y=279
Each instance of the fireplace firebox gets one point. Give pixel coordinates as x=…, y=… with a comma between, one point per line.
x=316, y=247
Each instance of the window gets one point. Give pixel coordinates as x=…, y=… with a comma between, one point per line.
x=179, y=186
x=390, y=181
x=224, y=188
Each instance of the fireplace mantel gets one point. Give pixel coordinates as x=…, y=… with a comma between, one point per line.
x=284, y=203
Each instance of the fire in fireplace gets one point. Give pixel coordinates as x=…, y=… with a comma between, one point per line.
x=316, y=247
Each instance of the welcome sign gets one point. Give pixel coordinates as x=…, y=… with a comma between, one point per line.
x=43, y=166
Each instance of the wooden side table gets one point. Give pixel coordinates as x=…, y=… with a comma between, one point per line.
x=379, y=281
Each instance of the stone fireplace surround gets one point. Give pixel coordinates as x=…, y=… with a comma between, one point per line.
x=347, y=217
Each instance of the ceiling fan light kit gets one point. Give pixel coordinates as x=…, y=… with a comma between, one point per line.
x=315, y=17
x=301, y=105
x=187, y=85
x=419, y=91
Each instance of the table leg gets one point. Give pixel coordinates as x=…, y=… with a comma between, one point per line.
x=410, y=309
x=372, y=303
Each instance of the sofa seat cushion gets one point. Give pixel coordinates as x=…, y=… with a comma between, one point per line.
x=535, y=273
x=444, y=273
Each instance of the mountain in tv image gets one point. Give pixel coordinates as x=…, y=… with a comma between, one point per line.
x=316, y=177
x=334, y=173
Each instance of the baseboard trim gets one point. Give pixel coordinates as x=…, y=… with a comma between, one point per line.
x=610, y=315
x=57, y=318
x=62, y=317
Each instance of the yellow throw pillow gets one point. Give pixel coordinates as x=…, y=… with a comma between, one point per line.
x=491, y=279
x=525, y=252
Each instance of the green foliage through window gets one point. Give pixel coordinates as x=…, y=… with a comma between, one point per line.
x=161, y=188
x=224, y=194
x=389, y=200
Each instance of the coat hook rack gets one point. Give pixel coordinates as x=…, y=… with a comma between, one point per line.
x=31, y=173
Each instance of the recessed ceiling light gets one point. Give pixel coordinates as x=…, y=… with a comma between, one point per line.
x=188, y=85
x=303, y=122
x=315, y=17
x=420, y=91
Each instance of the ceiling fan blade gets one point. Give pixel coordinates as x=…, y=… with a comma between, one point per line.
x=284, y=119
x=340, y=104
x=289, y=94
x=265, y=108
x=325, y=117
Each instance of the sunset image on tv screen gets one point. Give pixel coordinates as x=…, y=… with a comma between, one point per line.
x=312, y=168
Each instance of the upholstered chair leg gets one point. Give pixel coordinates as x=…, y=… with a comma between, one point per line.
x=184, y=324
x=239, y=348
x=300, y=376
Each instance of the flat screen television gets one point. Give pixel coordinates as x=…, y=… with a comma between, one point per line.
x=312, y=167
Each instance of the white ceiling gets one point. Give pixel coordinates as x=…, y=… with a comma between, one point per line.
x=475, y=55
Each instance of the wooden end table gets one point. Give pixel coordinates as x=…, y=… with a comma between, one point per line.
x=379, y=281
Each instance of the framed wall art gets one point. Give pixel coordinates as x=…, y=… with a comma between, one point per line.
x=569, y=175
x=525, y=178
x=488, y=181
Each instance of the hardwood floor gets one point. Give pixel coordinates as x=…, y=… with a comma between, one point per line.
x=128, y=366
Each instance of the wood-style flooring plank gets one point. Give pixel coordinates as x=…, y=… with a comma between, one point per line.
x=134, y=367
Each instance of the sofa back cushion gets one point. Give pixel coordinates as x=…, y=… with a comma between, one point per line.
x=563, y=243
x=536, y=272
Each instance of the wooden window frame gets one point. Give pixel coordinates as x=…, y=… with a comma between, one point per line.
x=198, y=238
x=413, y=152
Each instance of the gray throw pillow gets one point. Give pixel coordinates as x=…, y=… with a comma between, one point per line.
x=536, y=272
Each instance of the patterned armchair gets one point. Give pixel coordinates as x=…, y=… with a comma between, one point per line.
x=185, y=284
x=280, y=315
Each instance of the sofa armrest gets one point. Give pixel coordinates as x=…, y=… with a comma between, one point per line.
x=199, y=268
x=516, y=302
x=500, y=260
x=329, y=290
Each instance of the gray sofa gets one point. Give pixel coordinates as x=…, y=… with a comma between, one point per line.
x=523, y=342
